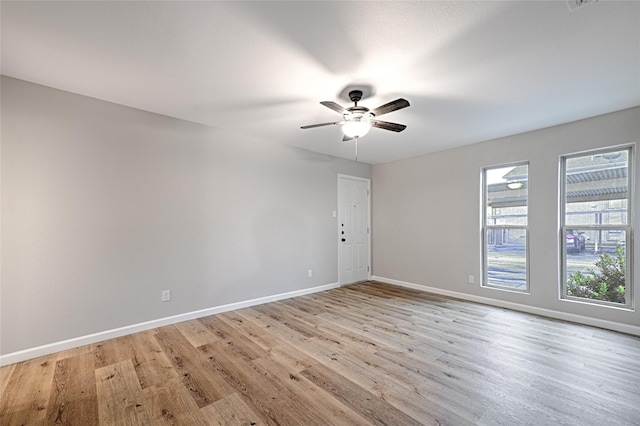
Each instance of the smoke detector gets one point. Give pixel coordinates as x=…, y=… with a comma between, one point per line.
x=574, y=4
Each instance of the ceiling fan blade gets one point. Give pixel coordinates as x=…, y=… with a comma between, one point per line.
x=391, y=106
x=346, y=138
x=334, y=106
x=311, y=126
x=394, y=127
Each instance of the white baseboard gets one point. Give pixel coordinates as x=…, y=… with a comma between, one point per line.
x=595, y=322
x=50, y=348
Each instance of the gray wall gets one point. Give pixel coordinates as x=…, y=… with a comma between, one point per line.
x=104, y=206
x=426, y=214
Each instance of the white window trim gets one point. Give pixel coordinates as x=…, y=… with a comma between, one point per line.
x=628, y=229
x=484, y=281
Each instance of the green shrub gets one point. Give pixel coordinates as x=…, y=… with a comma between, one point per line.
x=606, y=283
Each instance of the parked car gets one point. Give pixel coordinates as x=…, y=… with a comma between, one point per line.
x=576, y=241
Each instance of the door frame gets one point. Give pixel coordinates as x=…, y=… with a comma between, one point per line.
x=339, y=236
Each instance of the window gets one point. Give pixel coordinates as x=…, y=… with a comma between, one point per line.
x=595, y=229
x=504, y=230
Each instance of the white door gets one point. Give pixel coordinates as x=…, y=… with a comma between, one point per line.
x=353, y=229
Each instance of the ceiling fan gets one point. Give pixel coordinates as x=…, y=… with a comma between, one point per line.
x=358, y=120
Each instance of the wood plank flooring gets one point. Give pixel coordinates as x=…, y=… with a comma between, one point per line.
x=369, y=353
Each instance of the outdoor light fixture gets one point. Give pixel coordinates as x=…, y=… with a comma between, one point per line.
x=515, y=185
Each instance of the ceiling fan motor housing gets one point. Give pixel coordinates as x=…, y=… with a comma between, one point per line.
x=355, y=95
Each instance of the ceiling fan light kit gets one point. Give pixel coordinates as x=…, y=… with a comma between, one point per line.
x=358, y=120
x=356, y=127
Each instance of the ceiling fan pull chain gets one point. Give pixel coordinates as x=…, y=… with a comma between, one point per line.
x=356, y=138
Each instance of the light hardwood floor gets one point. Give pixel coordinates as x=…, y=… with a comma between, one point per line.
x=365, y=354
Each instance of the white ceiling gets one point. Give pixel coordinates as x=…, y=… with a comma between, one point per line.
x=472, y=70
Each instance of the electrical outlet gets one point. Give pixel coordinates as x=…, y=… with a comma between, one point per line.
x=472, y=279
x=166, y=295
x=310, y=273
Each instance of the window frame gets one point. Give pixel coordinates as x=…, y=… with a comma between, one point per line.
x=485, y=227
x=627, y=229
